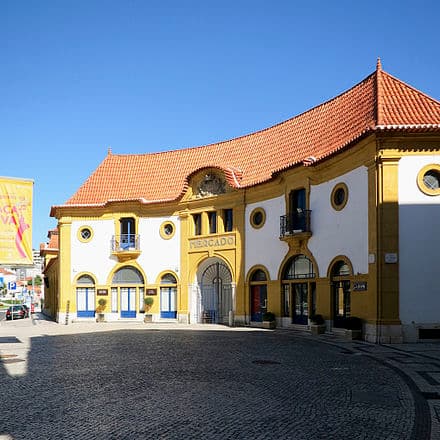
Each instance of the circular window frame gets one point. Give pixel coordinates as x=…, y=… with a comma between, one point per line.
x=162, y=232
x=342, y=205
x=80, y=232
x=421, y=183
x=252, y=218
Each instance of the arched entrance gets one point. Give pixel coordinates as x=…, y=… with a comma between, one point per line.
x=341, y=297
x=127, y=284
x=214, y=293
x=258, y=295
x=85, y=297
x=298, y=289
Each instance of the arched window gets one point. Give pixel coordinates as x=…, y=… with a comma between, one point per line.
x=85, y=297
x=127, y=284
x=259, y=275
x=258, y=295
x=299, y=267
x=340, y=269
x=85, y=279
x=299, y=289
x=128, y=275
x=341, y=295
x=168, y=296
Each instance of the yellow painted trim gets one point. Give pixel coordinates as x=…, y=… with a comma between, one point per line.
x=292, y=254
x=79, y=233
x=118, y=216
x=335, y=260
x=166, y=272
x=252, y=219
x=337, y=187
x=65, y=294
x=118, y=266
x=254, y=269
x=421, y=183
x=81, y=274
x=162, y=232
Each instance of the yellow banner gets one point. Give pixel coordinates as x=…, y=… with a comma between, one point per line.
x=15, y=221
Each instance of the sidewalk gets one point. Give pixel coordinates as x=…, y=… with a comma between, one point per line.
x=418, y=364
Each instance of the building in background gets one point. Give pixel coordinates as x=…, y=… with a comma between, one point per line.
x=333, y=212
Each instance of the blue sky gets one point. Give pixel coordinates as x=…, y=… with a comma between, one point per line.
x=78, y=77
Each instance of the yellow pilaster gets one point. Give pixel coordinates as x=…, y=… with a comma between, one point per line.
x=64, y=281
x=387, y=240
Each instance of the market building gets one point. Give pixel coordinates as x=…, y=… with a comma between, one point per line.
x=333, y=212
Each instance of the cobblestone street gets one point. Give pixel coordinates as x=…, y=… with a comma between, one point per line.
x=186, y=384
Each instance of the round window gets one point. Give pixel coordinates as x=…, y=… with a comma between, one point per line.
x=258, y=218
x=167, y=230
x=339, y=196
x=428, y=180
x=85, y=234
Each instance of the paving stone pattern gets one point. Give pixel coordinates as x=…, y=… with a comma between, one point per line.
x=165, y=384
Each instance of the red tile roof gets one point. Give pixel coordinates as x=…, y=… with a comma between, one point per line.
x=379, y=102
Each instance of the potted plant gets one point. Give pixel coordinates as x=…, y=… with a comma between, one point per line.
x=317, y=324
x=100, y=317
x=148, y=302
x=353, y=327
x=269, y=320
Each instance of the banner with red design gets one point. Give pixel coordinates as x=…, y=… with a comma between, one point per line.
x=15, y=220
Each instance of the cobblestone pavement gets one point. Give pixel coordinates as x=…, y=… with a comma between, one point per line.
x=210, y=382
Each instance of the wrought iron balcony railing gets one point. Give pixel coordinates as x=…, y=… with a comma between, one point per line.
x=125, y=243
x=295, y=223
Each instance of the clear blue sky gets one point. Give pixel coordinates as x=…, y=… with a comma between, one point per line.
x=141, y=76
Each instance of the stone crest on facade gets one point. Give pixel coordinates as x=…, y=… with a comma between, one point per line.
x=211, y=185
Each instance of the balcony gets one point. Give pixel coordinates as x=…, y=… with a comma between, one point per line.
x=126, y=246
x=296, y=224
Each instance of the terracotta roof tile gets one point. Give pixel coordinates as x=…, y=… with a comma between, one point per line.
x=380, y=101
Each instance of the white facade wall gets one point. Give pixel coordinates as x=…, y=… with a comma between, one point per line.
x=262, y=246
x=158, y=254
x=342, y=232
x=95, y=256
x=419, y=244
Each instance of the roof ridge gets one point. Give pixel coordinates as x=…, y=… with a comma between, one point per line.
x=379, y=96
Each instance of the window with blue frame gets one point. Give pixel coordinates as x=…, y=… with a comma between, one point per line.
x=128, y=233
x=168, y=297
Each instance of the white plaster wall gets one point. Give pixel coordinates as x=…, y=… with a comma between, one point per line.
x=158, y=254
x=94, y=256
x=263, y=246
x=342, y=232
x=419, y=244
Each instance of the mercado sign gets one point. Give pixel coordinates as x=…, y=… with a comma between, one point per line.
x=15, y=220
x=214, y=242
